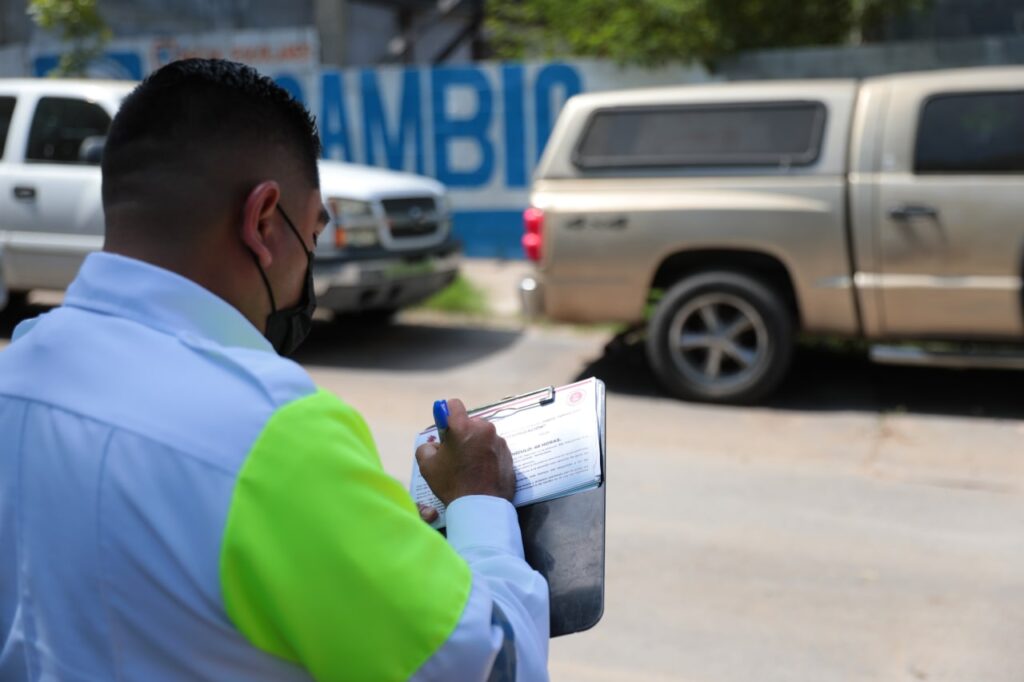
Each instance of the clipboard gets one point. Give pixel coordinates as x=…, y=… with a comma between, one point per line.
x=564, y=538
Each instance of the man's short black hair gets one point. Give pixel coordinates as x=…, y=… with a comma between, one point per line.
x=202, y=123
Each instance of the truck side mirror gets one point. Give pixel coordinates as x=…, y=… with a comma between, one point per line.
x=91, y=150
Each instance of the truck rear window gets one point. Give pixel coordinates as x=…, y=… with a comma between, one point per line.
x=736, y=134
x=6, y=112
x=978, y=132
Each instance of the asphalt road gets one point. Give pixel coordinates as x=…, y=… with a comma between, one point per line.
x=867, y=525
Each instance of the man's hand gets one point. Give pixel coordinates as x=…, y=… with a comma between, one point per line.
x=473, y=460
x=427, y=513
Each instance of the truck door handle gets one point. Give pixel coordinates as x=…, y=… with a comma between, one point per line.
x=908, y=212
x=23, y=192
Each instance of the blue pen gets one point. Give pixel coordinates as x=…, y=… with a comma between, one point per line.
x=441, y=418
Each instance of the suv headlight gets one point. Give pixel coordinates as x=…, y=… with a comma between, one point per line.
x=355, y=224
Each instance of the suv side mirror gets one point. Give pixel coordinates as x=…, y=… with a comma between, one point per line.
x=91, y=150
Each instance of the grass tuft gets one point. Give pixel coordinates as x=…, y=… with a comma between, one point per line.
x=461, y=296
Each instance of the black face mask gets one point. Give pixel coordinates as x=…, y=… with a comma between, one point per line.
x=288, y=328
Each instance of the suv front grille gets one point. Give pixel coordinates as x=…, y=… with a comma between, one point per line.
x=412, y=217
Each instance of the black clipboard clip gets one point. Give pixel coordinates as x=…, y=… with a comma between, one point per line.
x=509, y=405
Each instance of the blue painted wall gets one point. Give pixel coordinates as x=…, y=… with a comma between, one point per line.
x=479, y=129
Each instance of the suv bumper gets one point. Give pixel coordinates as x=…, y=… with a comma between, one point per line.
x=378, y=279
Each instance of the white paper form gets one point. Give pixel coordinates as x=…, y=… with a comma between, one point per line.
x=556, y=447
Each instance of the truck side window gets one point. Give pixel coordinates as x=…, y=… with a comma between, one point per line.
x=978, y=132
x=6, y=112
x=778, y=134
x=60, y=126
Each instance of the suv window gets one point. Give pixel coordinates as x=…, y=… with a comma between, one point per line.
x=978, y=132
x=59, y=127
x=741, y=134
x=6, y=112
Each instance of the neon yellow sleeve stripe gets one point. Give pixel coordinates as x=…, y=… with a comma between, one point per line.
x=325, y=561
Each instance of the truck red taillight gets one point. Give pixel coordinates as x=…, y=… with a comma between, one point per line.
x=533, y=232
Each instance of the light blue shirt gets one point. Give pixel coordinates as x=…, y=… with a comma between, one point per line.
x=125, y=416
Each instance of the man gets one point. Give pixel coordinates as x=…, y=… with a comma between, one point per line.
x=177, y=501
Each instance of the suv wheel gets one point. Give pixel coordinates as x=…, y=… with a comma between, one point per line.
x=720, y=337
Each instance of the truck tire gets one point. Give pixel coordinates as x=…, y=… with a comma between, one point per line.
x=720, y=337
x=374, y=317
x=377, y=317
x=16, y=302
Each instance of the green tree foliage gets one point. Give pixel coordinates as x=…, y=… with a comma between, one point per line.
x=79, y=25
x=652, y=32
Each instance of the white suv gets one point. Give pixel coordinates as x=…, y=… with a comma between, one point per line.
x=389, y=244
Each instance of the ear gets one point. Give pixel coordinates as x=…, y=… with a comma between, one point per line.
x=257, y=213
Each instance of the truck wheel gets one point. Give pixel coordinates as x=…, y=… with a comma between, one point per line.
x=376, y=317
x=16, y=301
x=720, y=337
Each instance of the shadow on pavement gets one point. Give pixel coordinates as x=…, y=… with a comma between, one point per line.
x=397, y=346
x=823, y=380
x=365, y=344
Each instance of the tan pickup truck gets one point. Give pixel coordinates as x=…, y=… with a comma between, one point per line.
x=889, y=209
